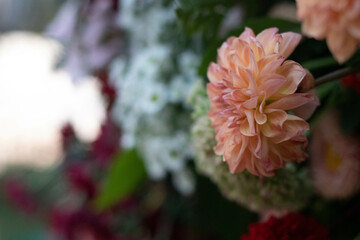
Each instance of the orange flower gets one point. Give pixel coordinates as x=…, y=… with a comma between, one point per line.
x=336, y=20
x=250, y=90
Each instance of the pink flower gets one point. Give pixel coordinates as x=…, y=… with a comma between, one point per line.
x=334, y=158
x=336, y=20
x=250, y=90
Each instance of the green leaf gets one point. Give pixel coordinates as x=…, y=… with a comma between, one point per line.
x=324, y=90
x=350, y=111
x=126, y=173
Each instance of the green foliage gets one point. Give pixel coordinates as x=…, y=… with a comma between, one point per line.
x=319, y=63
x=125, y=174
x=350, y=111
x=259, y=24
x=15, y=225
x=209, y=212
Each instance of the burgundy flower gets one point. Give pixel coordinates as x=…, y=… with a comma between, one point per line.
x=18, y=194
x=80, y=179
x=352, y=81
x=82, y=224
x=107, y=144
x=293, y=226
x=107, y=89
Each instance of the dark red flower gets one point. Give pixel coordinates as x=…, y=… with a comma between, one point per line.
x=352, y=81
x=293, y=226
x=107, y=89
x=18, y=194
x=80, y=179
x=107, y=144
x=81, y=224
x=68, y=134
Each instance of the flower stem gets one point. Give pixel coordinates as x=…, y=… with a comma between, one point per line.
x=335, y=75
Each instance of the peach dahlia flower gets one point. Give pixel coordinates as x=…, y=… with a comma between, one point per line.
x=251, y=89
x=336, y=20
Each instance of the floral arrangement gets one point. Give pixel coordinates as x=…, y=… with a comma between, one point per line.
x=159, y=119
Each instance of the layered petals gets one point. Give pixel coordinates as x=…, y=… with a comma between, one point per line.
x=252, y=91
x=337, y=21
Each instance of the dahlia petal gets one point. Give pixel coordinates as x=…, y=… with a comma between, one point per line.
x=271, y=84
x=239, y=79
x=213, y=91
x=305, y=111
x=241, y=50
x=260, y=116
x=247, y=127
x=256, y=48
x=251, y=103
x=223, y=53
x=294, y=74
x=274, y=124
x=239, y=95
x=268, y=130
x=270, y=63
x=292, y=127
x=288, y=43
x=341, y=45
x=216, y=72
x=307, y=83
x=270, y=40
x=313, y=29
x=247, y=34
x=276, y=117
x=354, y=29
x=249, y=57
x=291, y=101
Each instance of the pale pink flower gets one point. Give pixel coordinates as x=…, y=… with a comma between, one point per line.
x=336, y=20
x=251, y=89
x=334, y=158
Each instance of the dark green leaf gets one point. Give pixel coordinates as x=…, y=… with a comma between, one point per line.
x=124, y=176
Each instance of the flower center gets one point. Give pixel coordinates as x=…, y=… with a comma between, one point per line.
x=332, y=159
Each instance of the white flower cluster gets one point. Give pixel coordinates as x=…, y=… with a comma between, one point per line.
x=153, y=82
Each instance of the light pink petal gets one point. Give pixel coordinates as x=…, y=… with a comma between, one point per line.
x=291, y=101
x=341, y=45
x=271, y=84
x=305, y=111
x=260, y=116
x=270, y=63
x=247, y=127
x=251, y=103
x=247, y=34
x=216, y=73
x=257, y=48
x=292, y=127
x=288, y=43
x=294, y=74
x=270, y=40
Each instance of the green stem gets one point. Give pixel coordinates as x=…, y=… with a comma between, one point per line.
x=336, y=75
